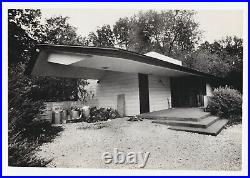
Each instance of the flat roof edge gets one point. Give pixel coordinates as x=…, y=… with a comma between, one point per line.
x=113, y=52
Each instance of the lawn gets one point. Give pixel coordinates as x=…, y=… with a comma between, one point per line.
x=82, y=145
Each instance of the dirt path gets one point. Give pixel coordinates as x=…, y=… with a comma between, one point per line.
x=82, y=145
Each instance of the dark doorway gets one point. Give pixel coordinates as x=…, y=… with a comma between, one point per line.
x=143, y=93
x=188, y=91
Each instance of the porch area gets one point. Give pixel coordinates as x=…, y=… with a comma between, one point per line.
x=185, y=114
x=187, y=119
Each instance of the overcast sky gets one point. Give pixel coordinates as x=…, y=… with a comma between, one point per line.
x=215, y=23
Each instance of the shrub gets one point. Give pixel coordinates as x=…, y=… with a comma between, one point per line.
x=25, y=135
x=41, y=132
x=102, y=114
x=226, y=102
x=23, y=144
x=22, y=152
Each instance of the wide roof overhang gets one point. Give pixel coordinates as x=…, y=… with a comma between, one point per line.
x=94, y=63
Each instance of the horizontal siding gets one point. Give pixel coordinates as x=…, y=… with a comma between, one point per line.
x=159, y=92
x=115, y=83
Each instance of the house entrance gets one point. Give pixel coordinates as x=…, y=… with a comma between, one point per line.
x=188, y=91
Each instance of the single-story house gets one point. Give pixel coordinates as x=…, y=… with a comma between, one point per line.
x=130, y=82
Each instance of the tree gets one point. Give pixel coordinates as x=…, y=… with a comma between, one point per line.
x=22, y=107
x=172, y=33
x=121, y=31
x=23, y=28
x=26, y=94
x=103, y=37
x=210, y=63
x=168, y=32
x=57, y=30
x=223, y=58
x=25, y=31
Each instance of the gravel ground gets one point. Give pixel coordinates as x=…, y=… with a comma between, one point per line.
x=82, y=145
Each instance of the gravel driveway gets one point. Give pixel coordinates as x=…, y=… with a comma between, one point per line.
x=82, y=145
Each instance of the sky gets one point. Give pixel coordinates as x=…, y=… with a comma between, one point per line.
x=215, y=24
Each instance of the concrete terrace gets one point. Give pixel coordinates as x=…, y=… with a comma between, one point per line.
x=187, y=119
x=192, y=114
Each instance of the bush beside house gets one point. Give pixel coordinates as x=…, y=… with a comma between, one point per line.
x=102, y=114
x=25, y=134
x=227, y=103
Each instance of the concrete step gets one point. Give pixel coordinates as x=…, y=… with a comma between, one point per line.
x=213, y=129
x=152, y=117
x=204, y=123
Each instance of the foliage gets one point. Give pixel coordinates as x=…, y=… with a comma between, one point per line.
x=82, y=94
x=103, y=37
x=22, y=26
x=22, y=107
x=21, y=153
x=25, y=31
x=23, y=102
x=175, y=33
x=121, y=31
x=55, y=89
x=57, y=30
x=167, y=32
x=223, y=58
x=41, y=132
x=24, y=134
x=23, y=144
x=225, y=102
x=102, y=114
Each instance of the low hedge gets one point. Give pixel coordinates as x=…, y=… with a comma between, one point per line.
x=102, y=114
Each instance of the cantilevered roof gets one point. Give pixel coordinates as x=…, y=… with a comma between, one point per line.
x=93, y=63
x=163, y=58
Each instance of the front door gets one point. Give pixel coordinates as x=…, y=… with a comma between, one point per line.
x=143, y=93
x=187, y=91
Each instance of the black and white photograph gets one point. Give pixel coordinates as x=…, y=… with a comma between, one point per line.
x=119, y=86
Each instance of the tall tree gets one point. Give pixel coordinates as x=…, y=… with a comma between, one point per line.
x=223, y=58
x=121, y=31
x=20, y=42
x=103, y=37
x=57, y=30
x=168, y=32
x=25, y=31
x=172, y=33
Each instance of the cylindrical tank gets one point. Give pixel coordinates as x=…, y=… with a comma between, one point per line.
x=85, y=111
x=57, y=117
x=46, y=116
x=75, y=114
x=64, y=116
